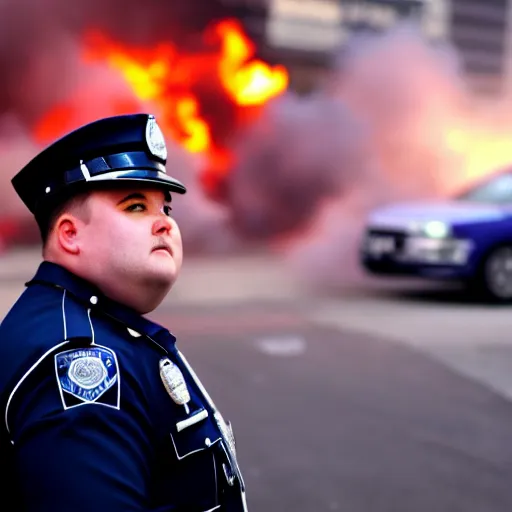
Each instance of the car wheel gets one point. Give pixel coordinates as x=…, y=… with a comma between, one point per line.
x=496, y=276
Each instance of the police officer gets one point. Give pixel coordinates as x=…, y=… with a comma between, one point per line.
x=101, y=409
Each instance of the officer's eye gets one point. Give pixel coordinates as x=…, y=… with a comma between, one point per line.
x=167, y=210
x=136, y=207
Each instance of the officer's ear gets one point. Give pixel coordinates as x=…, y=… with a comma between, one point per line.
x=67, y=233
x=68, y=221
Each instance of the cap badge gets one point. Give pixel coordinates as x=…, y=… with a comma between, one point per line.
x=155, y=139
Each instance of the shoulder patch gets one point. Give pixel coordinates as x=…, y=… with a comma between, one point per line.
x=88, y=375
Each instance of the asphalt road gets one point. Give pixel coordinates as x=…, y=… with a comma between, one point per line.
x=328, y=419
x=370, y=399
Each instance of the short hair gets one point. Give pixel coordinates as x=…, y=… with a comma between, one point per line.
x=47, y=221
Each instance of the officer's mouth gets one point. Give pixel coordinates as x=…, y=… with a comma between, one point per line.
x=162, y=248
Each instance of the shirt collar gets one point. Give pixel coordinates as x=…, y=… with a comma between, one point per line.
x=52, y=274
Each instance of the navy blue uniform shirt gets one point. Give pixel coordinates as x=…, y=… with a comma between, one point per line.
x=89, y=424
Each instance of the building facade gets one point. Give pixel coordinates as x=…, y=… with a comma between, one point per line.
x=479, y=30
x=306, y=33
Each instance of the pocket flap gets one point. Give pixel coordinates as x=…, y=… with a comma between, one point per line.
x=194, y=434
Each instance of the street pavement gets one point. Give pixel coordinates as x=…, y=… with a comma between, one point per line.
x=371, y=399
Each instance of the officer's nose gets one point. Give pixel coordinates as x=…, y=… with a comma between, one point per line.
x=162, y=225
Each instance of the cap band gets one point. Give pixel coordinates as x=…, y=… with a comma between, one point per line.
x=88, y=171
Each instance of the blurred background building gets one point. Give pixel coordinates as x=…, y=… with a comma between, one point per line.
x=479, y=31
x=305, y=33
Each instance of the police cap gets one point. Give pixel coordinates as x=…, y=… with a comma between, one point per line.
x=110, y=151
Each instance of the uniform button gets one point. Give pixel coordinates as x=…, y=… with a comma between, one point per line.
x=47, y=190
x=135, y=334
x=207, y=442
x=94, y=299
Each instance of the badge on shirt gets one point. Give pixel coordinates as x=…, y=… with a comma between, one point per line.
x=174, y=382
x=88, y=375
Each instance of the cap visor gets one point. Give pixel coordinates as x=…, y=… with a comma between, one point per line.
x=141, y=176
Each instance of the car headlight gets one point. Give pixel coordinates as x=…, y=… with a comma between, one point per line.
x=436, y=229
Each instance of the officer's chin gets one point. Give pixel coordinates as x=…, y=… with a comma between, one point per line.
x=155, y=291
x=148, y=305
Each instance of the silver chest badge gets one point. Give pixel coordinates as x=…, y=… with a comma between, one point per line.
x=155, y=139
x=174, y=381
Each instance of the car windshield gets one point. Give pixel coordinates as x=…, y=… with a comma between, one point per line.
x=496, y=190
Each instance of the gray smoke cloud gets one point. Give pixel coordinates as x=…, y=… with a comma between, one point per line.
x=374, y=126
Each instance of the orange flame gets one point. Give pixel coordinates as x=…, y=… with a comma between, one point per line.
x=174, y=82
x=162, y=76
x=248, y=83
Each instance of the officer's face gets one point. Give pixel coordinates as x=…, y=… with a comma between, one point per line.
x=132, y=245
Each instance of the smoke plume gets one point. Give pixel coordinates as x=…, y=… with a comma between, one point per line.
x=377, y=131
x=385, y=125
